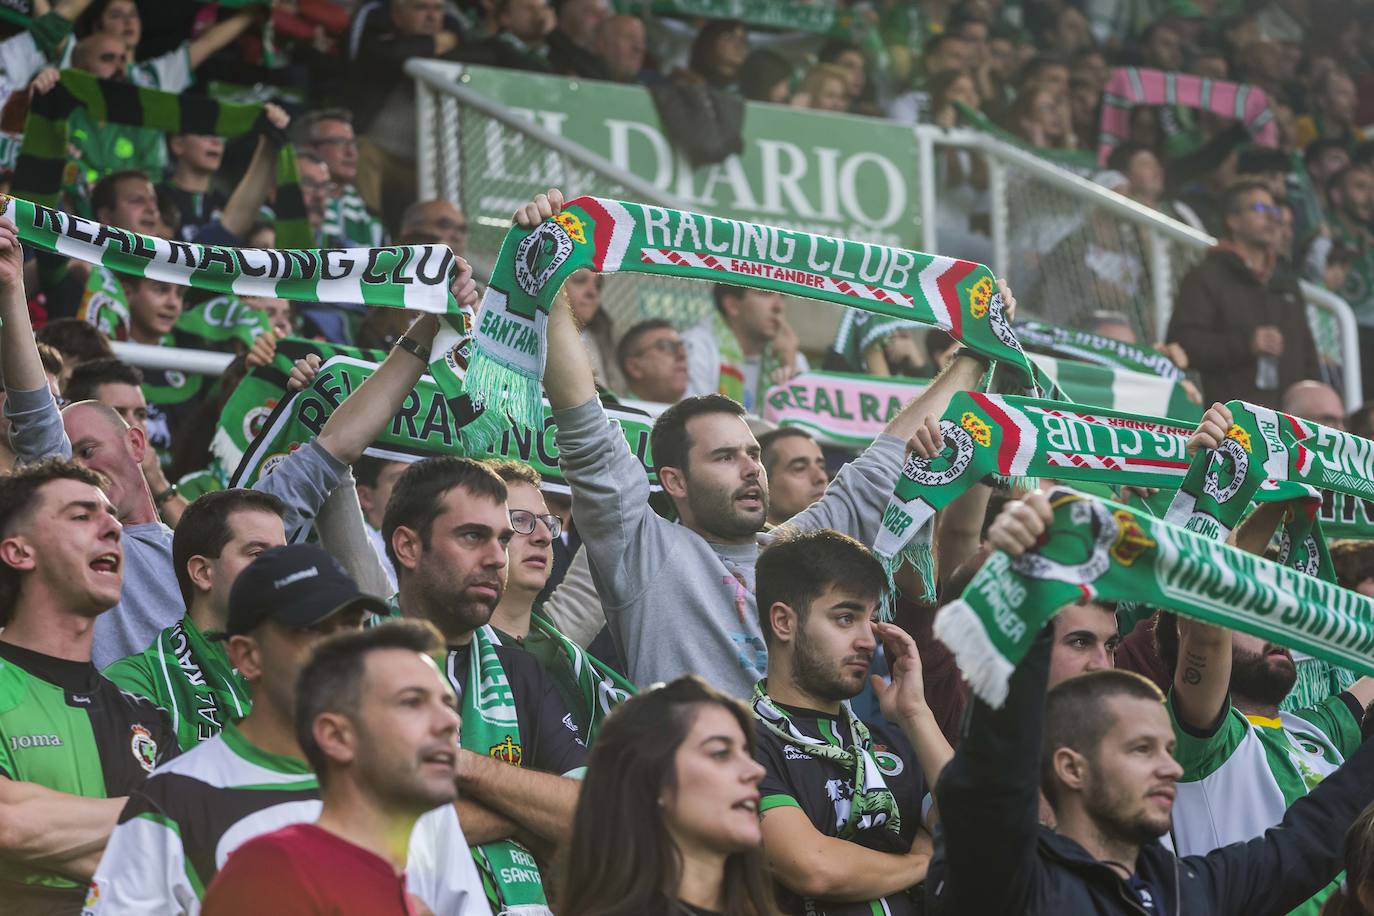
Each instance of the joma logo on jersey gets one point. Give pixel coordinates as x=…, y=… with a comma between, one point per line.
x=23, y=742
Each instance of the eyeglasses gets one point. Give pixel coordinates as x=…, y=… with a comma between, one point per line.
x=666, y=346
x=523, y=521
x=349, y=142
x=1269, y=210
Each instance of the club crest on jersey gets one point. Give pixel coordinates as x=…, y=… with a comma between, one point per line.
x=143, y=746
x=888, y=762
x=539, y=255
x=507, y=751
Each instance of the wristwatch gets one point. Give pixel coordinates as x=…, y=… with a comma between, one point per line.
x=165, y=495
x=413, y=347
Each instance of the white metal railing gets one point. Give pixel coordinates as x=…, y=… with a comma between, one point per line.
x=1160, y=231
x=147, y=356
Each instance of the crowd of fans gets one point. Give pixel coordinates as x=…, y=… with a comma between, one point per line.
x=467, y=693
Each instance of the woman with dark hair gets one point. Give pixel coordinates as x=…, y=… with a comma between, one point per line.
x=719, y=51
x=1356, y=894
x=667, y=822
x=765, y=76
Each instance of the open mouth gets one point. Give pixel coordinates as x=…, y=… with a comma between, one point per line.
x=445, y=759
x=747, y=804
x=750, y=499
x=106, y=564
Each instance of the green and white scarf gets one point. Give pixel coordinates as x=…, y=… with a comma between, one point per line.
x=1013, y=437
x=224, y=319
x=201, y=686
x=1099, y=550
x=819, y=16
x=347, y=220
x=873, y=809
x=609, y=236
x=271, y=425
x=43, y=154
x=410, y=277
x=599, y=689
x=491, y=728
x=732, y=377
x=1347, y=517
x=858, y=331
x=1094, y=348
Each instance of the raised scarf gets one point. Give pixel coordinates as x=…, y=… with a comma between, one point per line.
x=43, y=156
x=408, y=276
x=732, y=359
x=840, y=409
x=1042, y=337
x=873, y=808
x=1095, y=549
x=1014, y=437
x=1347, y=517
x=858, y=331
x=491, y=727
x=424, y=426
x=819, y=16
x=201, y=686
x=1132, y=86
x=224, y=319
x=599, y=688
x=609, y=236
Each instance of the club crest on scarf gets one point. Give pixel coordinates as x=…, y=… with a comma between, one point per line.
x=540, y=254
x=1081, y=555
x=942, y=469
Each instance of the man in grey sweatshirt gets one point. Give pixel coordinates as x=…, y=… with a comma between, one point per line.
x=96, y=436
x=679, y=597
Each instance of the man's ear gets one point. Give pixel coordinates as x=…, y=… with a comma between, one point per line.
x=336, y=736
x=245, y=656
x=783, y=621
x=405, y=542
x=201, y=571
x=366, y=496
x=138, y=443
x=673, y=481
x=17, y=553
x=1070, y=768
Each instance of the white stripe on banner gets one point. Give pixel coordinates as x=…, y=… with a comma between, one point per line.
x=621, y=229
x=245, y=285
x=1029, y=438
x=929, y=280
x=159, y=268
x=347, y=289
x=1276, y=466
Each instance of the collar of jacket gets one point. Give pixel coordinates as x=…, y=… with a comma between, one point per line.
x=1155, y=864
x=1260, y=276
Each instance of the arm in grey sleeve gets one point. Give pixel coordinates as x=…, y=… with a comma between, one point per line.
x=853, y=503
x=340, y=526
x=610, y=497
x=575, y=607
x=36, y=426
x=302, y=482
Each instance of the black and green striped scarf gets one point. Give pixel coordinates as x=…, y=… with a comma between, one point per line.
x=43, y=155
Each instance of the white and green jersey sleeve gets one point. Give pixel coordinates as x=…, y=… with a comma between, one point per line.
x=1239, y=781
x=170, y=72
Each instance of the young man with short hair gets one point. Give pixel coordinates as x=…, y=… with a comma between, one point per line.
x=589, y=688
x=186, y=671
x=679, y=596
x=72, y=744
x=447, y=527
x=797, y=477
x=841, y=800
x=379, y=725
x=734, y=352
x=1101, y=747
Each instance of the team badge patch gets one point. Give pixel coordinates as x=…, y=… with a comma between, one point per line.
x=573, y=226
x=980, y=431
x=1071, y=557
x=924, y=471
x=143, y=746
x=980, y=297
x=539, y=255
x=1227, y=470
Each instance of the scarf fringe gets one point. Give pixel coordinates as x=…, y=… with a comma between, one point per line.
x=502, y=391
x=985, y=668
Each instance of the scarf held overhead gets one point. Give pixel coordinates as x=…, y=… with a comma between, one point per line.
x=1099, y=550
x=609, y=236
x=1095, y=349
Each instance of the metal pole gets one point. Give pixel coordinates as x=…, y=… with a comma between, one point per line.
x=146, y=356
x=425, y=158
x=997, y=192
x=925, y=165
x=1161, y=279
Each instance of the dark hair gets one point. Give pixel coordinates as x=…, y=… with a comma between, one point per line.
x=204, y=528
x=760, y=72
x=1260, y=159
x=1359, y=868
x=313, y=119
x=933, y=44
x=1353, y=562
x=669, y=440
x=1314, y=150
x=105, y=194
x=50, y=358
x=1031, y=68
x=1337, y=180
x=622, y=859
x=368, y=468
x=332, y=680
x=90, y=18
x=18, y=497
x=834, y=47
x=774, y=436
x=722, y=291
x=702, y=59
x=1076, y=715
x=512, y=471
x=630, y=342
x=88, y=376
x=797, y=569
x=80, y=339
x=415, y=500
x=1233, y=198
x=1120, y=159
x=1166, y=641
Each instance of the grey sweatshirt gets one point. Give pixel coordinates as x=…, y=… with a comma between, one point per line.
x=150, y=599
x=672, y=597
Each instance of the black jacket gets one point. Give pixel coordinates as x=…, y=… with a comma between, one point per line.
x=993, y=858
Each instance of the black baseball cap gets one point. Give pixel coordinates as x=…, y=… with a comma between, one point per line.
x=298, y=585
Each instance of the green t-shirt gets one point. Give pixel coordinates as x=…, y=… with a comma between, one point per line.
x=190, y=677
x=105, y=304
x=64, y=727
x=1239, y=781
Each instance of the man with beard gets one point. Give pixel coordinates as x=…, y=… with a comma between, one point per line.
x=840, y=800
x=1101, y=746
x=679, y=597
x=446, y=529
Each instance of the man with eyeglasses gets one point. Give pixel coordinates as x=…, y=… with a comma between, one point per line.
x=348, y=223
x=587, y=685
x=439, y=218
x=653, y=360
x=1244, y=326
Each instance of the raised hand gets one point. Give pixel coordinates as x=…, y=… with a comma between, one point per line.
x=903, y=697
x=1020, y=525
x=1209, y=433
x=541, y=208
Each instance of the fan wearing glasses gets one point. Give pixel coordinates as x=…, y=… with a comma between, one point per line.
x=529, y=560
